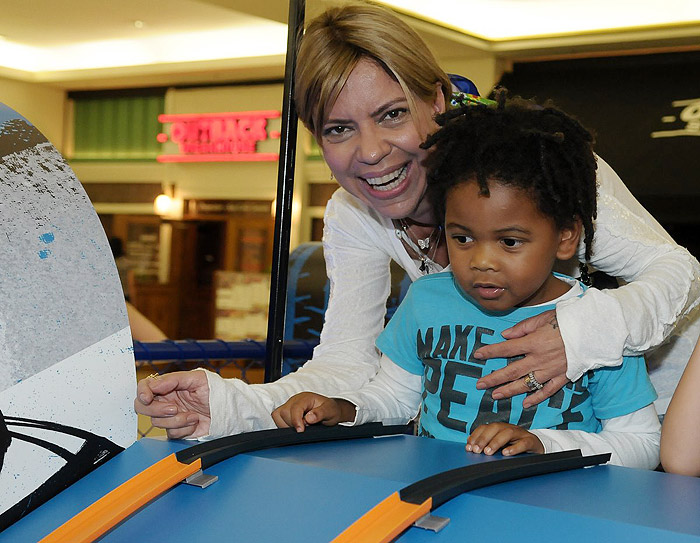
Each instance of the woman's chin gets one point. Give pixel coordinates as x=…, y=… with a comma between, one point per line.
x=395, y=204
x=395, y=209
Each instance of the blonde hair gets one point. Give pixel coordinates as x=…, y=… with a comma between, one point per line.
x=336, y=40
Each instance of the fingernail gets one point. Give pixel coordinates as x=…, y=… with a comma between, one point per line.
x=478, y=355
x=476, y=448
x=487, y=450
x=497, y=395
x=480, y=386
x=170, y=410
x=191, y=421
x=143, y=398
x=469, y=447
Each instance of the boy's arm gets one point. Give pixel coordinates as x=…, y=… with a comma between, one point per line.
x=632, y=439
x=392, y=397
x=680, y=438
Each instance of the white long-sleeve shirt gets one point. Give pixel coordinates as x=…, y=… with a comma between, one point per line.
x=597, y=329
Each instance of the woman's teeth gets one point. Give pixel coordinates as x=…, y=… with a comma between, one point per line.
x=389, y=181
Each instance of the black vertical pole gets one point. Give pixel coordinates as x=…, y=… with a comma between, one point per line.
x=285, y=191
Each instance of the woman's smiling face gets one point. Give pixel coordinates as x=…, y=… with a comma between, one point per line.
x=371, y=143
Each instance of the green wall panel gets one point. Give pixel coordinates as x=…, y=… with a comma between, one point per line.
x=117, y=128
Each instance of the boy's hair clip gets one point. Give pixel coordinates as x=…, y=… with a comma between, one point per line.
x=465, y=99
x=462, y=84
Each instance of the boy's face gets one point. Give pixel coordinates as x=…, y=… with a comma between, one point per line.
x=502, y=248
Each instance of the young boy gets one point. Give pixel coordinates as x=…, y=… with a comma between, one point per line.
x=516, y=187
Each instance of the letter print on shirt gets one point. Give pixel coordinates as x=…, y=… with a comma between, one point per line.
x=451, y=402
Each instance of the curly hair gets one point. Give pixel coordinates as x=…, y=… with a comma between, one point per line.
x=539, y=149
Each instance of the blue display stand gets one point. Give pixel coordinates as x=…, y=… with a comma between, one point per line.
x=310, y=493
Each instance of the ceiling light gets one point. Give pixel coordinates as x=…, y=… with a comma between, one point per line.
x=263, y=39
x=509, y=19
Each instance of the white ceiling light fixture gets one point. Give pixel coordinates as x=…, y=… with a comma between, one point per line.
x=101, y=43
x=238, y=42
x=497, y=20
x=88, y=38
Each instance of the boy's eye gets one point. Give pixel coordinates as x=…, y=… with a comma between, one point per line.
x=461, y=238
x=511, y=242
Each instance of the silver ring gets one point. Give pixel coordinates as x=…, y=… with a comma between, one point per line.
x=531, y=383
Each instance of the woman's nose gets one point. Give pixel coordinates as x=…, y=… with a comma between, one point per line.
x=373, y=146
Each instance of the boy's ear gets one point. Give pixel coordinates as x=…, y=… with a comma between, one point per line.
x=569, y=237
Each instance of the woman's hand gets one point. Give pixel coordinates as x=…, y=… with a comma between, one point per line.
x=539, y=340
x=309, y=408
x=490, y=438
x=177, y=402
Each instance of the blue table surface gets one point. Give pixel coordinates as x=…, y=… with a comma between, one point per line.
x=309, y=493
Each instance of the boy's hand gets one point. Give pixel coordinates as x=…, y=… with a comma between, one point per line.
x=490, y=438
x=309, y=408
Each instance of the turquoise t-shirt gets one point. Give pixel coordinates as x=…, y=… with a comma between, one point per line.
x=435, y=332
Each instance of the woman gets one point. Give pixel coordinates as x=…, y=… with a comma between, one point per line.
x=367, y=87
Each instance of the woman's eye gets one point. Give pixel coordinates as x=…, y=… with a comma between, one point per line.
x=336, y=133
x=334, y=130
x=395, y=113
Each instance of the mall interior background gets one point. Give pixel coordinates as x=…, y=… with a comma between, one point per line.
x=200, y=267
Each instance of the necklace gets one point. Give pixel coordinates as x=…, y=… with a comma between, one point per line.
x=420, y=246
x=423, y=243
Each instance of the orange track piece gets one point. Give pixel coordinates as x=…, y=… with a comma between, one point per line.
x=114, y=507
x=385, y=521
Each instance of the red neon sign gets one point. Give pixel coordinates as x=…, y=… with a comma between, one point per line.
x=218, y=137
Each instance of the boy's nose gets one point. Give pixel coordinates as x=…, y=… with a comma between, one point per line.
x=482, y=259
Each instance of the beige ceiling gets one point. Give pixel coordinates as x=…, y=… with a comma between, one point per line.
x=57, y=25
